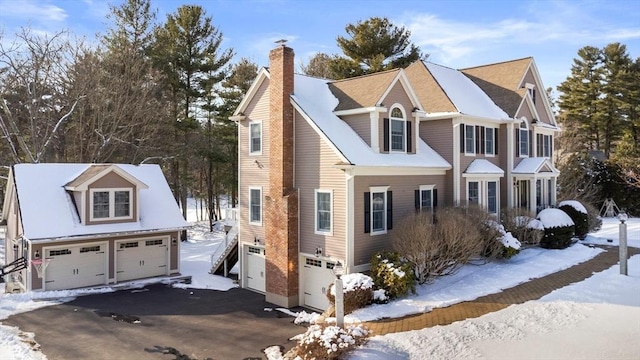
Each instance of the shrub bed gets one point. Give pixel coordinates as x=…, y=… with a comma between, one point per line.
x=578, y=213
x=327, y=342
x=393, y=274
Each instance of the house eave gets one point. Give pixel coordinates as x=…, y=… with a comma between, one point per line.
x=363, y=110
x=355, y=170
x=103, y=235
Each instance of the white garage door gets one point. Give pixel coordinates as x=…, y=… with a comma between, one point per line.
x=75, y=266
x=317, y=278
x=137, y=259
x=255, y=268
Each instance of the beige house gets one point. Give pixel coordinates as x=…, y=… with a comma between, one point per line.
x=326, y=168
x=89, y=224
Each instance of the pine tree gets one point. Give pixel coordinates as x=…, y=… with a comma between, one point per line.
x=318, y=66
x=374, y=45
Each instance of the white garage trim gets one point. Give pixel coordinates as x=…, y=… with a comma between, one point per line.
x=139, y=258
x=76, y=265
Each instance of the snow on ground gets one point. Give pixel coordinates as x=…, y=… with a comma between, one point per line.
x=470, y=282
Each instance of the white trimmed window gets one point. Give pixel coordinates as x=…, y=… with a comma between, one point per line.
x=398, y=130
x=469, y=139
x=473, y=192
x=255, y=138
x=324, y=211
x=492, y=197
x=378, y=213
x=523, y=140
x=426, y=197
x=490, y=141
x=484, y=193
x=255, y=205
x=111, y=204
x=546, y=145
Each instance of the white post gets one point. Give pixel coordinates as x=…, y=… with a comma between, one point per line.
x=623, y=243
x=339, y=303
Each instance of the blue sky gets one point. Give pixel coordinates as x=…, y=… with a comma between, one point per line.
x=456, y=33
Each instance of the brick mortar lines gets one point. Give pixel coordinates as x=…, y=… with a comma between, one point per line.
x=531, y=290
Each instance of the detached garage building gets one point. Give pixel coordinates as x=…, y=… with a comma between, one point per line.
x=79, y=225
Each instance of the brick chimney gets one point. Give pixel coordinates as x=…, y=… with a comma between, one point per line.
x=281, y=205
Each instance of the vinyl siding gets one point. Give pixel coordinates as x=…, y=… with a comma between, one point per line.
x=254, y=169
x=403, y=188
x=314, y=161
x=439, y=135
x=361, y=124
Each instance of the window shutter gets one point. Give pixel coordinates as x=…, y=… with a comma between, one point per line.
x=477, y=133
x=417, y=200
x=386, y=135
x=435, y=198
x=462, y=138
x=389, y=210
x=517, y=142
x=409, y=137
x=495, y=141
x=367, y=212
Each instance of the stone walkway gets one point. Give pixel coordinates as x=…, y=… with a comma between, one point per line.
x=531, y=290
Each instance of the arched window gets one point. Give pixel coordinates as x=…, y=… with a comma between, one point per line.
x=398, y=133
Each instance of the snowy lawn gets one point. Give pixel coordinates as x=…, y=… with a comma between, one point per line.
x=469, y=283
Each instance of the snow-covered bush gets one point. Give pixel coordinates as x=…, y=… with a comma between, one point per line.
x=558, y=229
x=327, y=342
x=509, y=245
x=358, y=292
x=440, y=247
x=578, y=213
x=391, y=273
x=527, y=230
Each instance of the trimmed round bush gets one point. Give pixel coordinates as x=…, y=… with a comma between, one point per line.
x=391, y=273
x=578, y=213
x=558, y=229
x=358, y=292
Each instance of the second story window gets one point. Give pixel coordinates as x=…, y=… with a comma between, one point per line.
x=469, y=139
x=111, y=204
x=398, y=130
x=523, y=139
x=490, y=140
x=255, y=138
x=544, y=145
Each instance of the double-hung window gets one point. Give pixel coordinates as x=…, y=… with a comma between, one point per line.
x=523, y=140
x=490, y=141
x=469, y=139
x=546, y=145
x=492, y=197
x=378, y=216
x=398, y=130
x=426, y=197
x=323, y=211
x=473, y=192
x=255, y=206
x=111, y=204
x=255, y=138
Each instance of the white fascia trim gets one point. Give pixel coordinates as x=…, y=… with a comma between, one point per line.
x=402, y=77
x=113, y=168
x=391, y=170
x=262, y=75
x=105, y=235
x=538, y=79
x=319, y=131
x=483, y=176
x=482, y=121
x=440, y=116
x=364, y=110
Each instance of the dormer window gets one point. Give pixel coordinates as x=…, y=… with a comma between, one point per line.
x=398, y=130
x=111, y=204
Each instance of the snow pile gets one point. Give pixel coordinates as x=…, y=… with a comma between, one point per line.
x=574, y=204
x=552, y=218
x=380, y=295
x=304, y=317
x=352, y=282
x=509, y=241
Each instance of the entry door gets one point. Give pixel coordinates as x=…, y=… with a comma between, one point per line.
x=255, y=268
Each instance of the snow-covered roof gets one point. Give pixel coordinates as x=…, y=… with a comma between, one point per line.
x=534, y=165
x=316, y=101
x=483, y=166
x=49, y=213
x=467, y=97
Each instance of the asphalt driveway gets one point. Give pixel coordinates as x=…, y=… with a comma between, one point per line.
x=159, y=322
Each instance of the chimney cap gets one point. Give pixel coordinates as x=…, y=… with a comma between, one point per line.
x=281, y=42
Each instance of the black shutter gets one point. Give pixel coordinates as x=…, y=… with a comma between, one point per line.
x=477, y=135
x=385, y=141
x=389, y=210
x=417, y=200
x=462, y=142
x=409, y=137
x=435, y=198
x=517, y=142
x=367, y=212
x=495, y=141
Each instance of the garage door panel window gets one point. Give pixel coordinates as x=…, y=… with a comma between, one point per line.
x=111, y=204
x=59, y=252
x=153, y=242
x=129, y=245
x=90, y=249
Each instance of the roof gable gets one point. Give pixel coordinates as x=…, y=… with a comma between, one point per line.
x=97, y=171
x=427, y=89
x=253, y=89
x=535, y=165
x=362, y=91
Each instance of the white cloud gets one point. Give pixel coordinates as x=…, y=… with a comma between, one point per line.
x=32, y=10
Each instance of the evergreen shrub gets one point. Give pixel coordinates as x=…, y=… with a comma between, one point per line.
x=391, y=273
x=558, y=229
x=578, y=213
